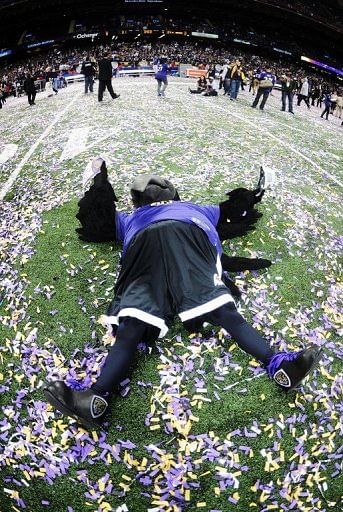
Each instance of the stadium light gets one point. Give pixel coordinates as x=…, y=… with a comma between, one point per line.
x=205, y=34
x=322, y=65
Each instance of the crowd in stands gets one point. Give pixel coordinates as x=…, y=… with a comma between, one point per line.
x=55, y=64
x=228, y=29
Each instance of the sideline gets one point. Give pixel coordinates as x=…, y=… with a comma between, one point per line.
x=8, y=184
x=282, y=142
x=275, y=109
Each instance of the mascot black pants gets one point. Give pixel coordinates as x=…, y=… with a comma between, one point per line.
x=170, y=269
x=131, y=331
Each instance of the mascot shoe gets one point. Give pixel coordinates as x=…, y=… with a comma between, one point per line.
x=86, y=406
x=288, y=369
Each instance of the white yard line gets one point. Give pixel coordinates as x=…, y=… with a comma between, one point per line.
x=6, y=187
x=106, y=136
x=279, y=123
x=269, y=134
x=85, y=148
x=280, y=141
x=300, y=114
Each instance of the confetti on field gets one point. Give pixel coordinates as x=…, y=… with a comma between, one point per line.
x=198, y=426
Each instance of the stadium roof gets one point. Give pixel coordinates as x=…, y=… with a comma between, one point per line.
x=309, y=19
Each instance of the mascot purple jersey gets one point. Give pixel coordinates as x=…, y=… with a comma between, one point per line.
x=170, y=266
x=205, y=217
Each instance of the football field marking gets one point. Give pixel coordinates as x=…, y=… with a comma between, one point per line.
x=107, y=135
x=8, y=152
x=282, y=142
x=81, y=148
x=8, y=184
x=76, y=143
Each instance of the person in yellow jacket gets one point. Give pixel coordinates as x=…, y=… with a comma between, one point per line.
x=236, y=71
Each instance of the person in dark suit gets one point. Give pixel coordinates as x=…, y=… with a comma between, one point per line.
x=288, y=87
x=105, y=77
x=88, y=70
x=30, y=89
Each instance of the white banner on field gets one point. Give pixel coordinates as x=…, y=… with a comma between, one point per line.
x=76, y=144
x=8, y=152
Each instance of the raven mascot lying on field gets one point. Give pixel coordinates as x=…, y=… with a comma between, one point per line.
x=238, y=216
x=171, y=266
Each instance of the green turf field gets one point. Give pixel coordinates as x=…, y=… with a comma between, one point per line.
x=199, y=426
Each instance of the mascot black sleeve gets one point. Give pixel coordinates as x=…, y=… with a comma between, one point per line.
x=97, y=211
x=237, y=214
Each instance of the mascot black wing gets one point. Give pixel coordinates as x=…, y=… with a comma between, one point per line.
x=238, y=216
x=97, y=210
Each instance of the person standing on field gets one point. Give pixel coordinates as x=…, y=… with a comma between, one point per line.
x=327, y=105
x=236, y=76
x=161, y=76
x=105, y=77
x=30, y=89
x=88, y=70
x=288, y=86
x=304, y=93
x=266, y=81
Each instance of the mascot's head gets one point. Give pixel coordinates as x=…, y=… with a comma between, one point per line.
x=149, y=188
